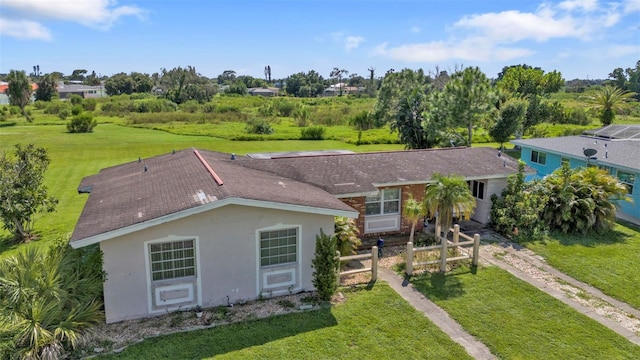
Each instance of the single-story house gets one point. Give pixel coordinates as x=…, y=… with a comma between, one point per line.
x=266, y=92
x=197, y=227
x=86, y=91
x=194, y=228
x=378, y=183
x=615, y=148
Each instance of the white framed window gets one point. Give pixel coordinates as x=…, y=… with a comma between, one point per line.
x=172, y=259
x=278, y=247
x=386, y=202
x=538, y=157
x=477, y=188
x=627, y=179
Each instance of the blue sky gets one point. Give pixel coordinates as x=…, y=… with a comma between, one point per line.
x=580, y=38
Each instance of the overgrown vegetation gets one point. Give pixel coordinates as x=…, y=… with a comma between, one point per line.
x=49, y=300
x=346, y=234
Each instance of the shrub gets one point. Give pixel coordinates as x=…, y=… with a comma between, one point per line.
x=259, y=126
x=77, y=110
x=89, y=104
x=40, y=105
x=209, y=108
x=55, y=106
x=190, y=106
x=82, y=123
x=363, y=121
x=325, y=264
x=312, y=133
x=284, y=107
x=75, y=99
x=64, y=113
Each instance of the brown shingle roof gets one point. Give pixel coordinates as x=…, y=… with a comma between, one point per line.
x=346, y=174
x=128, y=194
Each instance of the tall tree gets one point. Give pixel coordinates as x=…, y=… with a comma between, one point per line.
x=469, y=97
x=19, y=91
x=47, y=87
x=23, y=193
x=338, y=74
x=419, y=118
x=447, y=196
x=609, y=100
x=183, y=84
x=393, y=86
x=510, y=119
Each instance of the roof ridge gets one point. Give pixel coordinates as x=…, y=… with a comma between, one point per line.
x=369, y=152
x=208, y=167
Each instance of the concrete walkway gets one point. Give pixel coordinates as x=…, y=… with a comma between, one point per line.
x=438, y=316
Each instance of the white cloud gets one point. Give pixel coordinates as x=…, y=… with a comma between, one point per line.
x=349, y=42
x=495, y=36
x=631, y=6
x=586, y=5
x=352, y=42
x=98, y=14
x=415, y=29
x=24, y=29
x=617, y=51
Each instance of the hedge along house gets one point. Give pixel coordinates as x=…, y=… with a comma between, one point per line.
x=615, y=148
x=377, y=184
x=194, y=228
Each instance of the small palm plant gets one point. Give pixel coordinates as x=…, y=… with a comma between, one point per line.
x=47, y=304
x=346, y=233
x=413, y=210
x=609, y=100
x=446, y=195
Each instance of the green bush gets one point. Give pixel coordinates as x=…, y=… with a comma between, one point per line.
x=14, y=110
x=312, y=133
x=89, y=104
x=54, y=107
x=64, y=113
x=40, y=105
x=190, y=106
x=259, y=126
x=284, y=107
x=325, y=265
x=75, y=99
x=82, y=123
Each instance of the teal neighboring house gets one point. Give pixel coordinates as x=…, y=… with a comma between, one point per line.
x=615, y=148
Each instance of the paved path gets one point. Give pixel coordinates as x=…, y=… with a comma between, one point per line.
x=474, y=347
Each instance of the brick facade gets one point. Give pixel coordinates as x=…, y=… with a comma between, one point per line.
x=358, y=203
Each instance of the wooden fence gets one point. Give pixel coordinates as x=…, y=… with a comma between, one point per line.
x=374, y=264
x=444, y=246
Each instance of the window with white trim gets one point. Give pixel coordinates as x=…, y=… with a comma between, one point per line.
x=386, y=202
x=173, y=259
x=627, y=179
x=477, y=188
x=278, y=246
x=538, y=157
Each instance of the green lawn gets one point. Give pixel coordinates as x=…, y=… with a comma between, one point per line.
x=517, y=321
x=74, y=156
x=373, y=323
x=610, y=261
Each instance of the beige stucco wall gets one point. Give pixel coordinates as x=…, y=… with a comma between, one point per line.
x=482, y=213
x=226, y=254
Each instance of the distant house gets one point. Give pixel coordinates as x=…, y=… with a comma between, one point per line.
x=615, y=148
x=85, y=91
x=334, y=90
x=266, y=92
x=196, y=227
x=4, y=98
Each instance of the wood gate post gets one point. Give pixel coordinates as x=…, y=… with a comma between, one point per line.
x=476, y=249
x=409, y=267
x=374, y=263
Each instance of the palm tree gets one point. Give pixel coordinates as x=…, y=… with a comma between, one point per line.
x=46, y=303
x=346, y=233
x=19, y=91
x=413, y=211
x=609, y=100
x=445, y=196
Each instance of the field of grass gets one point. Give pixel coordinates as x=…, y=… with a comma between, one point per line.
x=373, y=323
x=517, y=321
x=609, y=261
x=74, y=156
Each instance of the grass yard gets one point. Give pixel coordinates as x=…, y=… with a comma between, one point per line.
x=74, y=156
x=373, y=323
x=517, y=321
x=609, y=262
